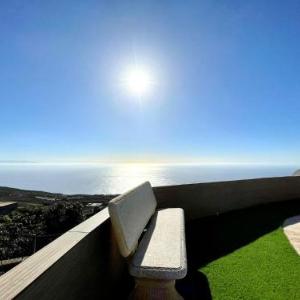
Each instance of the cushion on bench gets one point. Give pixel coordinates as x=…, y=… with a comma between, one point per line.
x=130, y=213
x=161, y=253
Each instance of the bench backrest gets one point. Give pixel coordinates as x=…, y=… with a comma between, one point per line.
x=130, y=213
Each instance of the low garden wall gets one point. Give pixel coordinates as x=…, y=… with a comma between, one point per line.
x=77, y=265
x=84, y=263
x=204, y=199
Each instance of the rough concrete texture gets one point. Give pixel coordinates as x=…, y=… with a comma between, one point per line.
x=161, y=253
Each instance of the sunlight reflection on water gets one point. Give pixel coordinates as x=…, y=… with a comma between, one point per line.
x=113, y=179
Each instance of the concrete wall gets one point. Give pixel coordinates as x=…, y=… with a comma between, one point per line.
x=84, y=263
x=204, y=199
x=77, y=265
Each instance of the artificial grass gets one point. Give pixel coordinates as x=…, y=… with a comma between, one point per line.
x=267, y=268
x=242, y=254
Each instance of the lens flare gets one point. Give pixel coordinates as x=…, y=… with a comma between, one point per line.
x=138, y=81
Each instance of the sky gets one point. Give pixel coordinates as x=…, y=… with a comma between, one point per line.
x=226, y=79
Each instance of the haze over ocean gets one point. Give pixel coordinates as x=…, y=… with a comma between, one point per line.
x=117, y=178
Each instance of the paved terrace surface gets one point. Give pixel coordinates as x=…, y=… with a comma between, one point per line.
x=292, y=231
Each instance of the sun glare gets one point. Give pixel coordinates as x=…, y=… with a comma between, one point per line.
x=138, y=81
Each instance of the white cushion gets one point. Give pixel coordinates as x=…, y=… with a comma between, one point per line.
x=130, y=213
x=161, y=253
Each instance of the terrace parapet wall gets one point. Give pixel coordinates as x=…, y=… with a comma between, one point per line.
x=205, y=199
x=84, y=262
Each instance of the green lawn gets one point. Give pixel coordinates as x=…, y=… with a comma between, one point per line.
x=267, y=268
x=242, y=254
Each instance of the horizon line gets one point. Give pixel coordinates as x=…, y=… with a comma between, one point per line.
x=145, y=162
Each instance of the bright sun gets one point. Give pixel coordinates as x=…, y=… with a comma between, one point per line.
x=138, y=81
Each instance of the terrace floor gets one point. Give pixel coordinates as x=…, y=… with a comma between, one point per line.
x=243, y=254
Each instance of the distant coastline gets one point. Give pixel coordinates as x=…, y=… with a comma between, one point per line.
x=41, y=197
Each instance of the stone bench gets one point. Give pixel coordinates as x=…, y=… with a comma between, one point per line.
x=152, y=241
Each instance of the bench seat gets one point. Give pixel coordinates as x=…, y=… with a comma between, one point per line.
x=161, y=253
x=152, y=241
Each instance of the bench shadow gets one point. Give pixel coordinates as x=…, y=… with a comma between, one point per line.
x=210, y=238
x=145, y=239
x=194, y=286
x=213, y=237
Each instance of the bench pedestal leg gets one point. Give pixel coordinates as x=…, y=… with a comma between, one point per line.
x=151, y=289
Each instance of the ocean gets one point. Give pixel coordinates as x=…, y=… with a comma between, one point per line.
x=117, y=178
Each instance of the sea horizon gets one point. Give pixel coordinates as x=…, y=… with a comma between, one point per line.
x=115, y=178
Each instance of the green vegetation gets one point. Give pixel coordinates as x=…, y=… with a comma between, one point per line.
x=40, y=218
x=267, y=268
x=244, y=254
x=30, y=227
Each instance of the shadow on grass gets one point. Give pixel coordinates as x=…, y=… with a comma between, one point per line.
x=210, y=238
x=194, y=286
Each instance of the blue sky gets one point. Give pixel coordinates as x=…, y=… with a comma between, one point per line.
x=227, y=81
